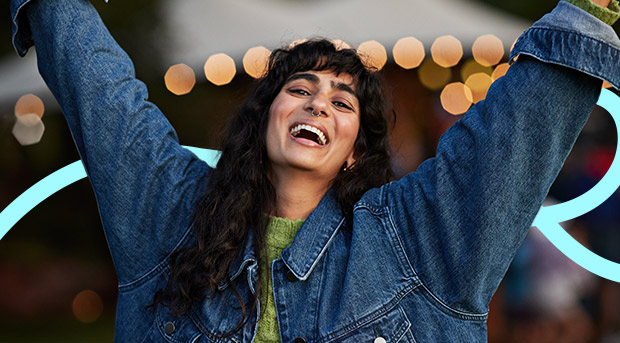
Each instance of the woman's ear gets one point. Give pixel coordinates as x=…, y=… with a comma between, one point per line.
x=350, y=160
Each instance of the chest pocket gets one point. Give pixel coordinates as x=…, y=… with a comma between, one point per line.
x=389, y=328
x=180, y=329
x=172, y=329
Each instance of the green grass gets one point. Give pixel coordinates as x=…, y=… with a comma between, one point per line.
x=61, y=330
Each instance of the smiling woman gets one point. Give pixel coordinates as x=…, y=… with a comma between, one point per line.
x=298, y=235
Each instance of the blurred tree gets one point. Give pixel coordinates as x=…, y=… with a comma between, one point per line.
x=529, y=9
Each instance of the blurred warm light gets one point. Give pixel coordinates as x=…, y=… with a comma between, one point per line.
x=471, y=67
x=87, y=306
x=488, y=50
x=180, y=79
x=456, y=98
x=297, y=42
x=479, y=84
x=28, y=129
x=606, y=84
x=28, y=104
x=512, y=47
x=373, y=54
x=408, y=52
x=433, y=76
x=220, y=69
x=500, y=71
x=255, y=61
x=339, y=44
x=447, y=51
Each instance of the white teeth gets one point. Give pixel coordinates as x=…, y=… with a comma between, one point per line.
x=295, y=131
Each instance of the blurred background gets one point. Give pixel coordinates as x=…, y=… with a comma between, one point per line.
x=200, y=58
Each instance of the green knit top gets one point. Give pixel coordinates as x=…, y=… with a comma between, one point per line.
x=607, y=15
x=281, y=231
x=279, y=236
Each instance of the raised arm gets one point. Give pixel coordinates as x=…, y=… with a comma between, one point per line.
x=465, y=212
x=145, y=183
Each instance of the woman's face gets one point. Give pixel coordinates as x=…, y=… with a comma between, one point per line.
x=297, y=139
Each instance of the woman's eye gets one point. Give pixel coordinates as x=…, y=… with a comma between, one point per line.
x=342, y=104
x=299, y=91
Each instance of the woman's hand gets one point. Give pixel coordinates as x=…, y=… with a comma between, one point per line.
x=602, y=3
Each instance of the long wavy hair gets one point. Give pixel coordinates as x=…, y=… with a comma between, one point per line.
x=239, y=193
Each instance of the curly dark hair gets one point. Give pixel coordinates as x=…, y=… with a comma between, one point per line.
x=239, y=193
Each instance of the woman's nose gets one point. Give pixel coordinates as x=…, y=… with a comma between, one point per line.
x=317, y=106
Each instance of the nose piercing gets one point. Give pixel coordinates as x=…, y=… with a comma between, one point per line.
x=318, y=114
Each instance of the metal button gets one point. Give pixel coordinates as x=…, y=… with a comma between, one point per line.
x=299, y=340
x=169, y=328
x=291, y=277
x=379, y=340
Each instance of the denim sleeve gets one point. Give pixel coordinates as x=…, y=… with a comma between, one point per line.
x=462, y=215
x=145, y=183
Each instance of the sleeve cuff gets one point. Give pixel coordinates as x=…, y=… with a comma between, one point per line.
x=21, y=34
x=571, y=37
x=607, y=15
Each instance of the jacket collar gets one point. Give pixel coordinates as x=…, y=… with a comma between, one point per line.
x=309, y=245
x=314, y=237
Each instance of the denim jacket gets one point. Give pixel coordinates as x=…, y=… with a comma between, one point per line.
x=421, y=257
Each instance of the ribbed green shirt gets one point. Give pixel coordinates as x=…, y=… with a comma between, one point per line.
x=279, y=236
x=607, y=15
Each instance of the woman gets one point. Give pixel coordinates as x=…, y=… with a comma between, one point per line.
x=203, y=255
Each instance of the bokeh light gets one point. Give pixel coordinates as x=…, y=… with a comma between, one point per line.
x=255, y=61
x=297, y=42
x=180, y=79
x=339, y=44
x=220, y=69
x=28, y=129
x=87, y=306
x=456, y=98
x=447, y=51
x=373, y=54
x=28, y=104
x=433, y=76
x=471, y=67
x=500, y=71
x=479, y=84
x=488, y=50
x=408, y=52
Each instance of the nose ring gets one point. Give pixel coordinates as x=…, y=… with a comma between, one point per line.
x=318, y=114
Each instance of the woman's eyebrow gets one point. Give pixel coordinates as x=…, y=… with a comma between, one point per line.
x=306, y=76
x=314, y=79
x=343, y=87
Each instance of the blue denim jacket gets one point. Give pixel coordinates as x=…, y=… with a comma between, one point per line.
x=422, y=256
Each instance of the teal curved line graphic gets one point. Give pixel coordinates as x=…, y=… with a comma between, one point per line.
x=547, y=220
x=60, y=179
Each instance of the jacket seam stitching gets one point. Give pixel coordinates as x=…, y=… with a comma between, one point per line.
x=461, y=313
x=158, y=267
x=371, y=317
x=570, y=32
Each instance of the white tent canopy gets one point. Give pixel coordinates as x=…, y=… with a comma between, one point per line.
x=200, y=28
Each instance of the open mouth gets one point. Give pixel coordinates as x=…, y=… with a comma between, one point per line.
x=309, y=132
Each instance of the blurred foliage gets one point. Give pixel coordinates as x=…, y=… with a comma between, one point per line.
x=135, y=24
x=529, y=9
